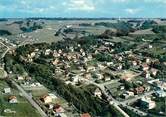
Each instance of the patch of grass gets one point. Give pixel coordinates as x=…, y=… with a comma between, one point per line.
x=23, y=108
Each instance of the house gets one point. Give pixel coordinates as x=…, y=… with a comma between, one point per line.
x=98, y=93
x=49, y=106
x=134, y=63
x=58, y=109
x=119, y=67
x=106, y=78
x=85, y=115
x=160, y=93
x=87, y=75
x=160, y=85
x=20, y=78
x=52, y=96
x=32, y=54
x=128, y=94
x=91, y=68
x=109, y=63
x=145, y=67
x=47, y=52
x=12, y=99
x=90, y=57
x=101, y=67
x=148, y=60
x=146, y=74
x=153, y=71
x=55, y=62
x=150, y=46
x=99, y=76
x=139, y=90
x=146, y=102
x=46, y=99
x=7, y=90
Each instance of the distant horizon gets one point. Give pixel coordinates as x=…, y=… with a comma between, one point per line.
x=83, y=8
x=82, y=18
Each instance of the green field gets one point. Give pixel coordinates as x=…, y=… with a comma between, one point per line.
x=21, y=109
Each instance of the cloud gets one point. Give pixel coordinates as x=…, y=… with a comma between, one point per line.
x=81, y=5
x=120, y=1
x=156, y=1
x=132, y=11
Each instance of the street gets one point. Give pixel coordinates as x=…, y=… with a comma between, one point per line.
x=33, y=103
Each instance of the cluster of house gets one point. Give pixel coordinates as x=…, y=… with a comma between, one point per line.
x=147, y=103
x=48, y=101
x=11, y=99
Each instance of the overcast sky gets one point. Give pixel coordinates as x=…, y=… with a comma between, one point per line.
x=82, y=8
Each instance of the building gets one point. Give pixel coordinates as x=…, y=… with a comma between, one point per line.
x=98, y=93
x=153, y=71
x=20, y=78
x=12, y=99
x=52, y=96
x=58, y=109
x=46, y=99
x=7, y=90
x=139, y=90
x=85, y=115
x=145, y=67
x=128, y=94
x=160, y=93
x=160, y=85
x=147, y=103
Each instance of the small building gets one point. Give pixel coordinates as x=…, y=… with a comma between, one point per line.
x=128, y=94
x=7, y=90
x=46, y=99
x=145, y=67
x=153, y=71
x=146, y=74
x=12, y=99
x=85, y=115
x=147, y=103
x=160, y=85
x=52, y=96
x=160, y=93
x=134, y=63
x=58, y=108
x=139, y=90
x=20, y=78
x=98, y=93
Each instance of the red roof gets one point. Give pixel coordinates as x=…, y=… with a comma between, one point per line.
x=86, y=115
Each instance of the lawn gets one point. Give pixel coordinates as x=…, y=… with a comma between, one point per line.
x=2, y=73
x=23, y=108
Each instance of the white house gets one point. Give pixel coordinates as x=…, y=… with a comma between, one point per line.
x=146, y=102
x=160, y=93
x=13, y=99
x=7, y=90
x=98, y=93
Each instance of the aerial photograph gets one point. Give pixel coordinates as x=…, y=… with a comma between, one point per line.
x=82, y=58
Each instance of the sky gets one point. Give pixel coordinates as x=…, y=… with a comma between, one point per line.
x=83, y=8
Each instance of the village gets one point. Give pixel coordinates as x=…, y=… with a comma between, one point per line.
x=128, y=83
x=50, y=78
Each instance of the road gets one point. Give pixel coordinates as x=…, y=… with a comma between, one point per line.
x=29, y=98
x=116, y=103
x=138, y=97
x=111, y=100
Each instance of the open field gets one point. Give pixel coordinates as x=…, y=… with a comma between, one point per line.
x=20, y=109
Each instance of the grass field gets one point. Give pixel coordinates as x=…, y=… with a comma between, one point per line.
x=21, y=109
x=2, y=73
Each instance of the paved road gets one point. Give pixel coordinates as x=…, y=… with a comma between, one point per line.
x=33, y=103
x=111, y=100
x=138, y=97
x=116, y=103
